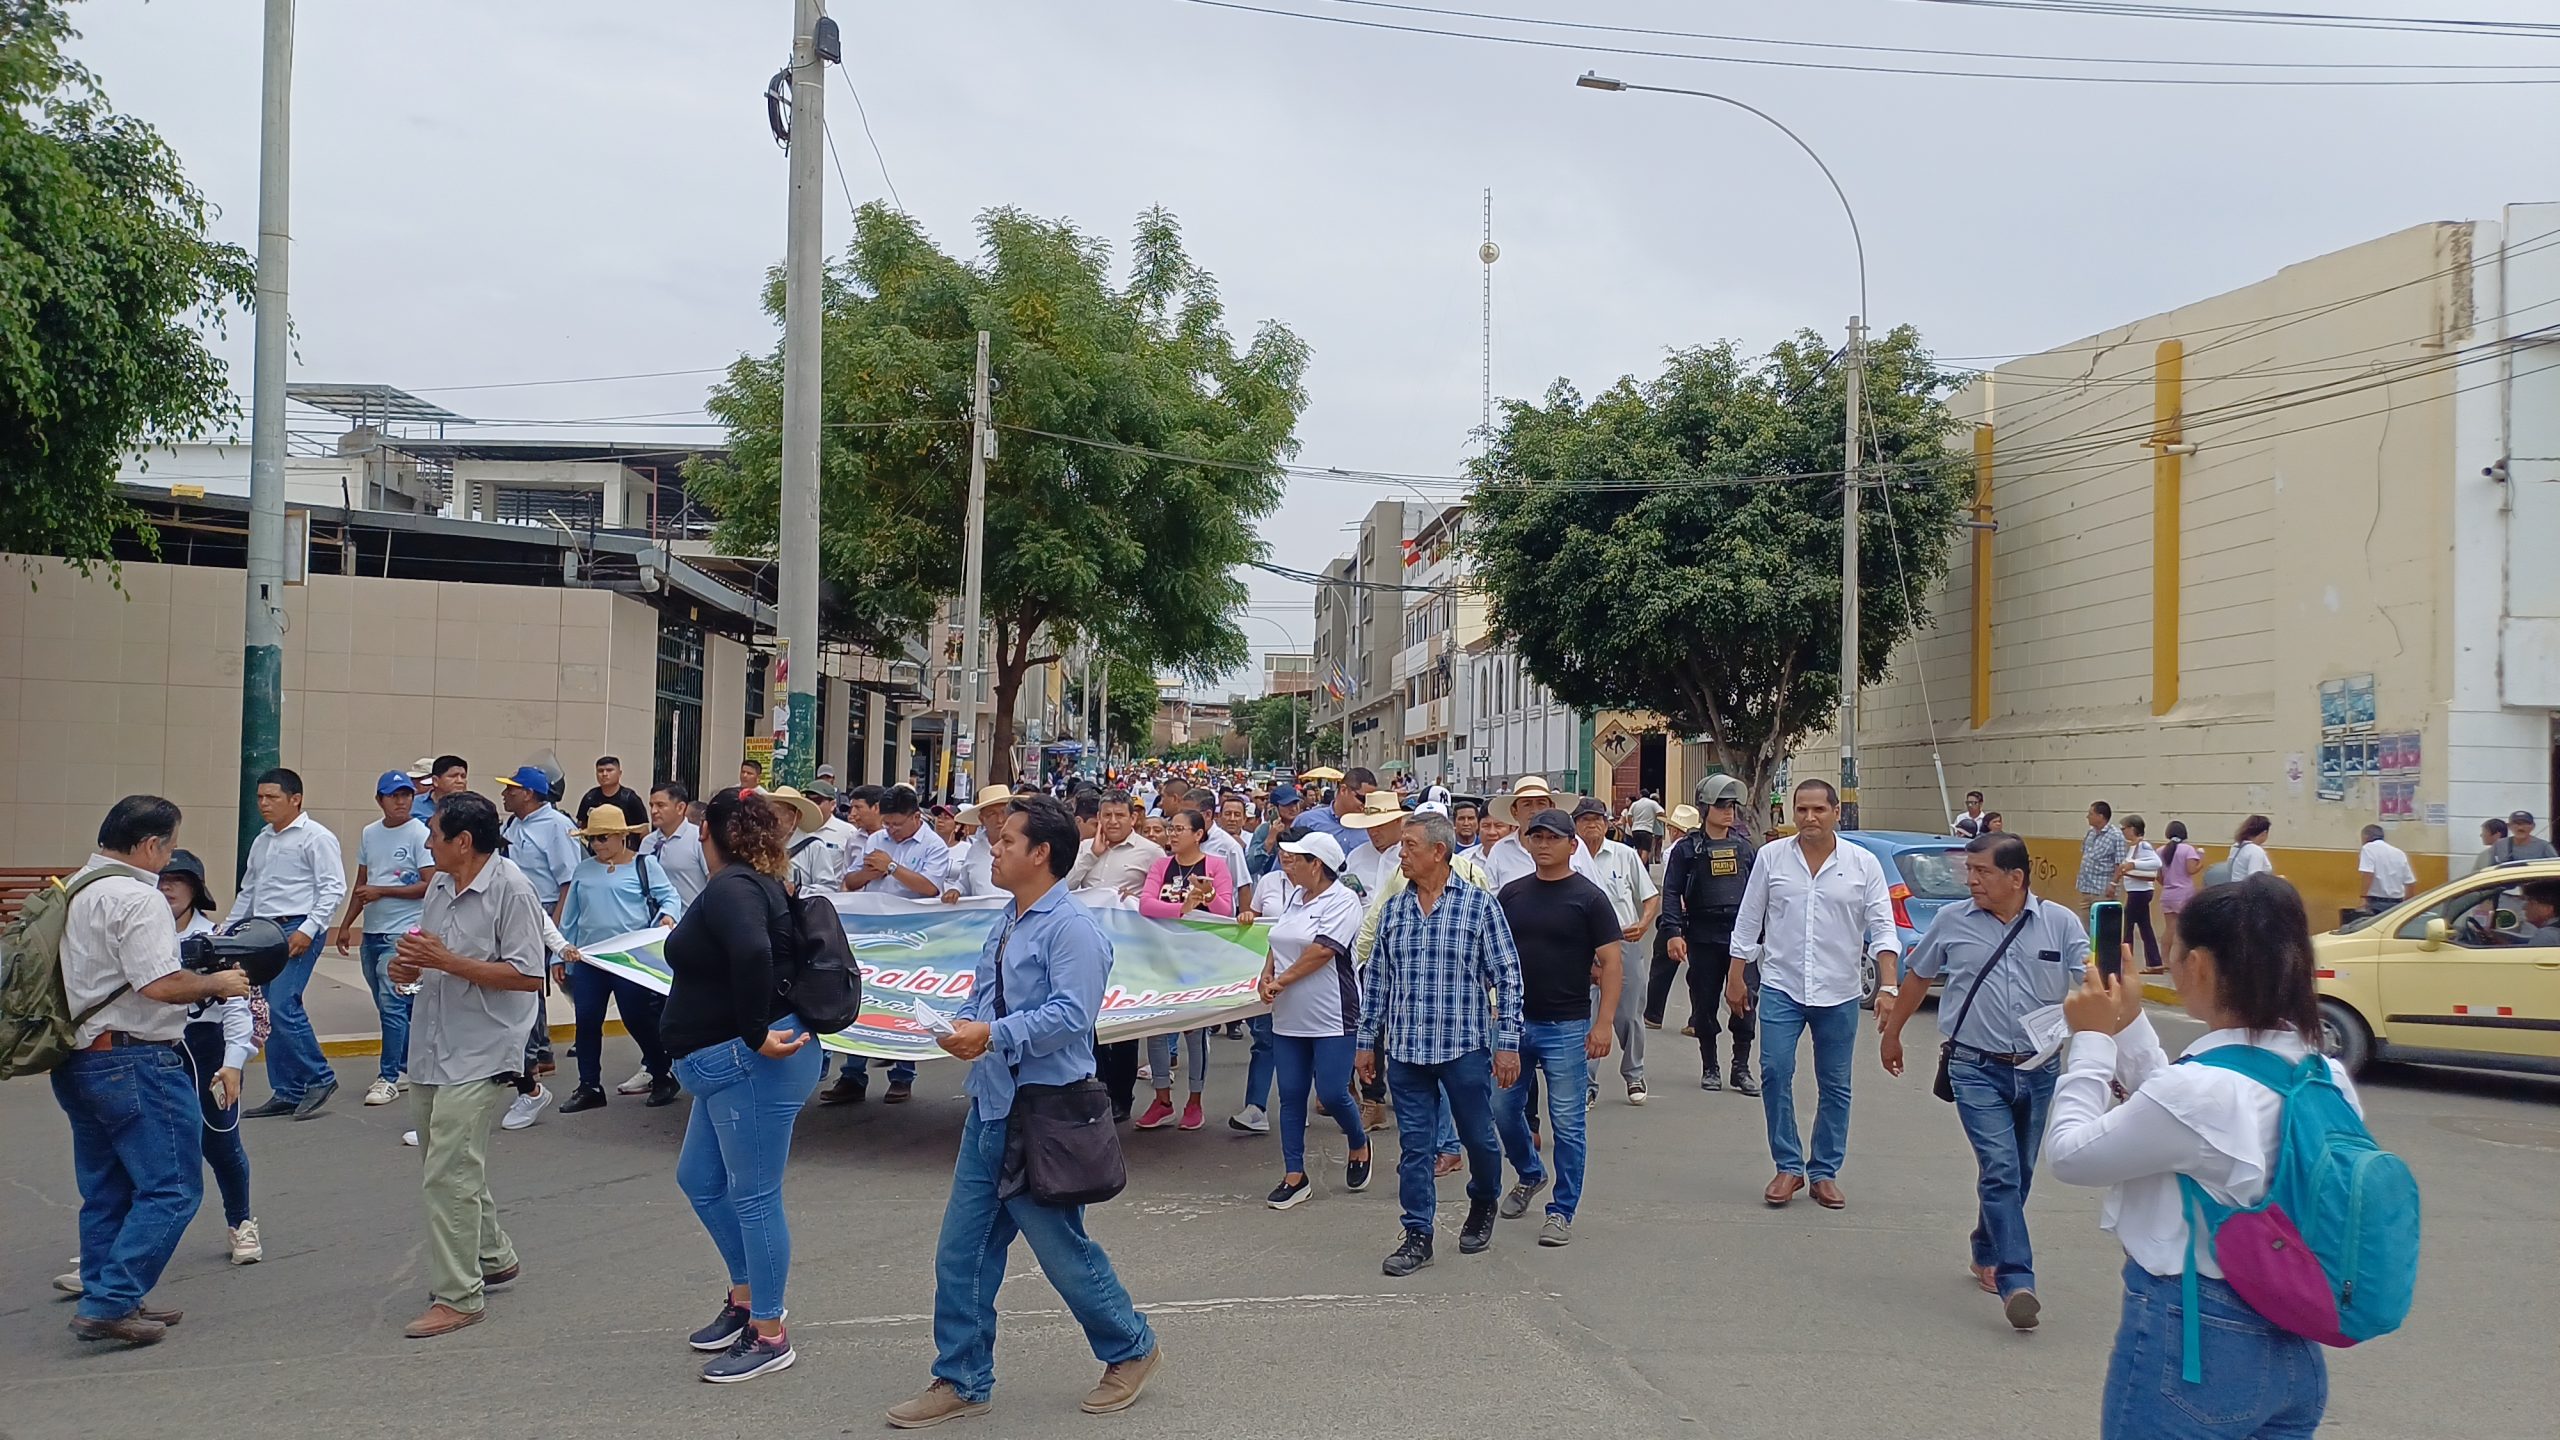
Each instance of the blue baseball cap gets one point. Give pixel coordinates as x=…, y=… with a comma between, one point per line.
x=531, y=778
x=393, y=782
x=1285, y=795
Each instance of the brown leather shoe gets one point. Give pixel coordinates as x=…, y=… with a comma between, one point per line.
x=162, y=1317
x=1826, y=1193
x=1784, y=1188
x=507, y=1275
x=932, y=1405
x=1987, y=1276
x=1120, y=1384
x=131, y=1329
x=442, y=1319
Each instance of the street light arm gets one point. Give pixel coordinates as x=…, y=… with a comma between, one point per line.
x=1598, y=82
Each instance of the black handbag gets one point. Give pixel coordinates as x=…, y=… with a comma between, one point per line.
x=1061, y=1143
x=1944, y=1087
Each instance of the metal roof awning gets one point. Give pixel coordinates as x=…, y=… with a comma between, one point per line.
x=371, y=404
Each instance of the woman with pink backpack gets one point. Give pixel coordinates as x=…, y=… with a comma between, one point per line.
x=2258, y=1218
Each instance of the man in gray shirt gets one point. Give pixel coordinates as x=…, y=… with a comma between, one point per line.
x=2003, y=955
x=478, y=957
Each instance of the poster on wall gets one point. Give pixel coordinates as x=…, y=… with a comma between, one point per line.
x=2399, y=799
x=2360, y=707
x=2333, y=709
x=2333, y=771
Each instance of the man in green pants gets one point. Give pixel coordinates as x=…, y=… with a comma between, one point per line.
x=477, y=955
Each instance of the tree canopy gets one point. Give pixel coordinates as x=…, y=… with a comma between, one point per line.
x=1673, y=545
x=1094, y=530
x=107, y=281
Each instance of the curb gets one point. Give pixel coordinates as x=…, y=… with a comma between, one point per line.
x=335, y=1046
x=2160, y=993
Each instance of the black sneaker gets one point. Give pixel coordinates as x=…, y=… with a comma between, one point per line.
x=1711, y=1080
x=749, y=1356
x=275, y=1106
x=1412, y=1255
x=1516, y=1202
x=1119, y=1114
x=662, y=1091
x=313, y=1098
x=723, y=1330
x=1288, y=1193
x=1355, y=1174
x=1477, y=1233
x=584, y=1099
x=1744, y=1082
x=849, y=1089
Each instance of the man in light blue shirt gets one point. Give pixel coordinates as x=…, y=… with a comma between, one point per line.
x=907, y=858
x=674, y=842
x=1030, y=1019
x=2001, y=955
x=392, y=868
x=539, y=837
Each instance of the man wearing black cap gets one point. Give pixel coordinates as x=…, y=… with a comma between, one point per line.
x=1282, y=812
x=2521, y=843
x=1569, y=941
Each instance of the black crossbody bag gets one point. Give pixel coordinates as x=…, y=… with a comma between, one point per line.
x=1060, y=1142
x=1943, y=1087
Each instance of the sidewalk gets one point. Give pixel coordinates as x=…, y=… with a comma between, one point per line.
x=342, y=1010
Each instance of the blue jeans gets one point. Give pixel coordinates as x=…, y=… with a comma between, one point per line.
x=1326, y=1062
x=1555, y=1047
x=1783, y=1022
x=1445, y=1141
x=294, y=1060
x=137, y=1147
x=591, y=989
x=1467, y=1084
x=2002, y=1110
x=2259, y=1382
x=388, y=1002
x=736, y=1143
x=221, y=1128
x=1160, y=1059
x=1259, y=1070
x=969, y=1263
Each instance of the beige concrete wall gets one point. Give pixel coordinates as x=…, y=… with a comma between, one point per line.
x=106, y=693
x=2315, y=542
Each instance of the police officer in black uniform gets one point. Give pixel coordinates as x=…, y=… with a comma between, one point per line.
x=1719, y=866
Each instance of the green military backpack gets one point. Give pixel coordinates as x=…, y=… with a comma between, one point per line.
x=36, y=1023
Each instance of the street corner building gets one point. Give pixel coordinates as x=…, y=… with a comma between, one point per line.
x=2285, y=551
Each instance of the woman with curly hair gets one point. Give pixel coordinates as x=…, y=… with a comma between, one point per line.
x=750, y=1066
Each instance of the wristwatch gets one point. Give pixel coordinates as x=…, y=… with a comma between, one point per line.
x=1892, y=991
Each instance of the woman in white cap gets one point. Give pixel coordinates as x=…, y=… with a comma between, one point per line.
x=1314, y=997
x=614, y=891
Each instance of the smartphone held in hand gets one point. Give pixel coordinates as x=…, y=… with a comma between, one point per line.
x=2106, y=936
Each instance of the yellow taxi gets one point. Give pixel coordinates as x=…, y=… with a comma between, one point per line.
x=2467, y=973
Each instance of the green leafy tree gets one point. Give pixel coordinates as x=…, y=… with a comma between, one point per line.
x=1100, y=537
x=107, y=282
x=1673, y=545
x=1131, y=694
x=1276, y=738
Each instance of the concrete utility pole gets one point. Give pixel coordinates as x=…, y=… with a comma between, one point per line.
x=1856, y=380
x=804, y=259
x=262, y=637
x=982, y=448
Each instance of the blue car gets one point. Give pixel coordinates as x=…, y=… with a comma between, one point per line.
x=1926, y=872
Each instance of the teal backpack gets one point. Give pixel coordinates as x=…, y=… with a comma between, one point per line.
x=2331, y=1251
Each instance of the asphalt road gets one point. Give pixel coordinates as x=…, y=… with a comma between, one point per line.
x=1683, y=1307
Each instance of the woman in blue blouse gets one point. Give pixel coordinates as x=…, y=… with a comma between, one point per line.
x=614, y=891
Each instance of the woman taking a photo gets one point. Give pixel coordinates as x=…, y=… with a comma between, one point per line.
x=2247, y=973
x=220, y=1039
x=1186, y=880
x=1315, y=1005
x=750, y=1067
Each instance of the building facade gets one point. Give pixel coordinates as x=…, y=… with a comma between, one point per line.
x=1359, y=624
x=2286, y=551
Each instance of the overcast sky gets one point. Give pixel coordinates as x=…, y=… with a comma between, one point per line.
x=492, y=193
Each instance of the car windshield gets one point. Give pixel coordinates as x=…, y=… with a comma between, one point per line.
x=1933, y=874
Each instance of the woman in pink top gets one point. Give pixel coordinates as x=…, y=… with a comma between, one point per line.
x=2180, y=863
x=1186, y=880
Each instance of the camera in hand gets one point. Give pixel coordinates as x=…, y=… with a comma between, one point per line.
x=256, y=946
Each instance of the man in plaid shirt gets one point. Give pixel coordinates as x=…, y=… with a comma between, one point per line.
x=2101, y=851
x=1442, y=948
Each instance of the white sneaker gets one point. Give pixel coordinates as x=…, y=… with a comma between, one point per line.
x=409, y=1138
x=245, y=1246
x=525, y=1109
x=1252, y=1119
x=70, y=1284
x=636, y=1085
x=381, y=1092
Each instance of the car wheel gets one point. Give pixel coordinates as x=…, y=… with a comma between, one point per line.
x=2344, y=1037
x=1869, y=978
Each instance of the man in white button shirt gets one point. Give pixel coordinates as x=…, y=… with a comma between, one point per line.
x=1813, y=911
x=296, y=878
x=973, y=865
x=1621, y=875
x=2385, y=870
x=1508, y=858
x=135, y=1123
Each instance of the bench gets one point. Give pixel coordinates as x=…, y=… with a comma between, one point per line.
x=19, y=882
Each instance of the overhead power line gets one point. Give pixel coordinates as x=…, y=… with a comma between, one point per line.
x=1588, y=48
x=2304, y=19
